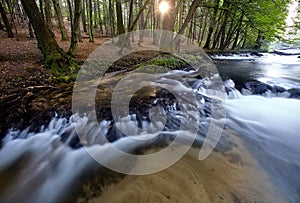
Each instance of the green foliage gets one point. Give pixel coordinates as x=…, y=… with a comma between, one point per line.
x=267, y=17
x=248, y=22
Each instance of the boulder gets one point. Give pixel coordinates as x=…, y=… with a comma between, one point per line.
x=295, y=93
x=256, y=54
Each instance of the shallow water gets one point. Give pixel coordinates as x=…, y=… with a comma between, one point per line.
x=43, y=166
x=270, y=68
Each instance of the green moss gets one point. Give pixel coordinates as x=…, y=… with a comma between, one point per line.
x=168, y=62
x=31, y=69
x=61, y=72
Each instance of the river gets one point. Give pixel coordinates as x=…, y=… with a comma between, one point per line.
x=262, y=118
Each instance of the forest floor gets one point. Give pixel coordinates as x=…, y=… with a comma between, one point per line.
x=24, y=77
x=21, y=62
x=28, y=96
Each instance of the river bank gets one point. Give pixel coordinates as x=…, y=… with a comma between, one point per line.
x=28, y=96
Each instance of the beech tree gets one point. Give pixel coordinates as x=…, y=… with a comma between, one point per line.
x=76, y=27
x=54, y=56
x=60, y=20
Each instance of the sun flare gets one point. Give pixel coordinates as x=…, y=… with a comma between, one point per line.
x=164, y=7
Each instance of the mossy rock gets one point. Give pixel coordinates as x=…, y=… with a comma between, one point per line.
x=165, y=62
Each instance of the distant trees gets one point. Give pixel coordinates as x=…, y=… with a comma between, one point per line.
x=10, y=34
x=242, y=24
x=213, y=24
x=60, y=20
x=297, y=20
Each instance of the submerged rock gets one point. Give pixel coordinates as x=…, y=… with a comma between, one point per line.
x=295, y=93
x=256, y=54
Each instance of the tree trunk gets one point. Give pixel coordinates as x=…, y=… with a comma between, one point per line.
x=230, y=34
x=83, y=16
x=211, y=26
x=189, y=16
x=120, y=25
x=11, y=9
x=104, y=9
x=146, y=19
x=133, y=24
x=220, y=30
x=130, y=17
x=71, y=13
x=53, y=54
x=76, y=28
x=168, y=25
x=91, y=23
x=203, y=31
x=1, y=26
x=259, y=40
x=142, y=22
x=9, y=31
x=237, y=35
x=59, y=16
x=42, y=8
x=48, y=13
x=112, y=17
x=96, y=19
x=100, y=17
x=31, y=34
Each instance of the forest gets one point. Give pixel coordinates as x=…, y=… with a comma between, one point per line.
x=213, y=24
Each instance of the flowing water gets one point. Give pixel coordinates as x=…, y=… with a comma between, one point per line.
x=263, y=107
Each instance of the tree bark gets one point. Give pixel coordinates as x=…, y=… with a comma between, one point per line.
x=211, y=26
x=31, y=34
x=133, y=24
x=259, y=40
x=9, y=31
x=59, y=16
x=142, y=22
x=41, y=4
x=100, y=17
x=168, y=25
x=96, y=19
x=130, y=17
x=91, y=23
x=83, y=16
x=111, y=17
x=237, y=35
x=1, y=26
x=104, y=9
x=76, y=28
x=53, y=54
x=71, y=13
x=48, y=13
x=189, y=16
x=120, y=25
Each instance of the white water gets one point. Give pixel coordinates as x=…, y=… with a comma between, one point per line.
x=270, y=128
x=39, y=167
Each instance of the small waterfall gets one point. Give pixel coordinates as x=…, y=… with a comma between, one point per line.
x=41, y=166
